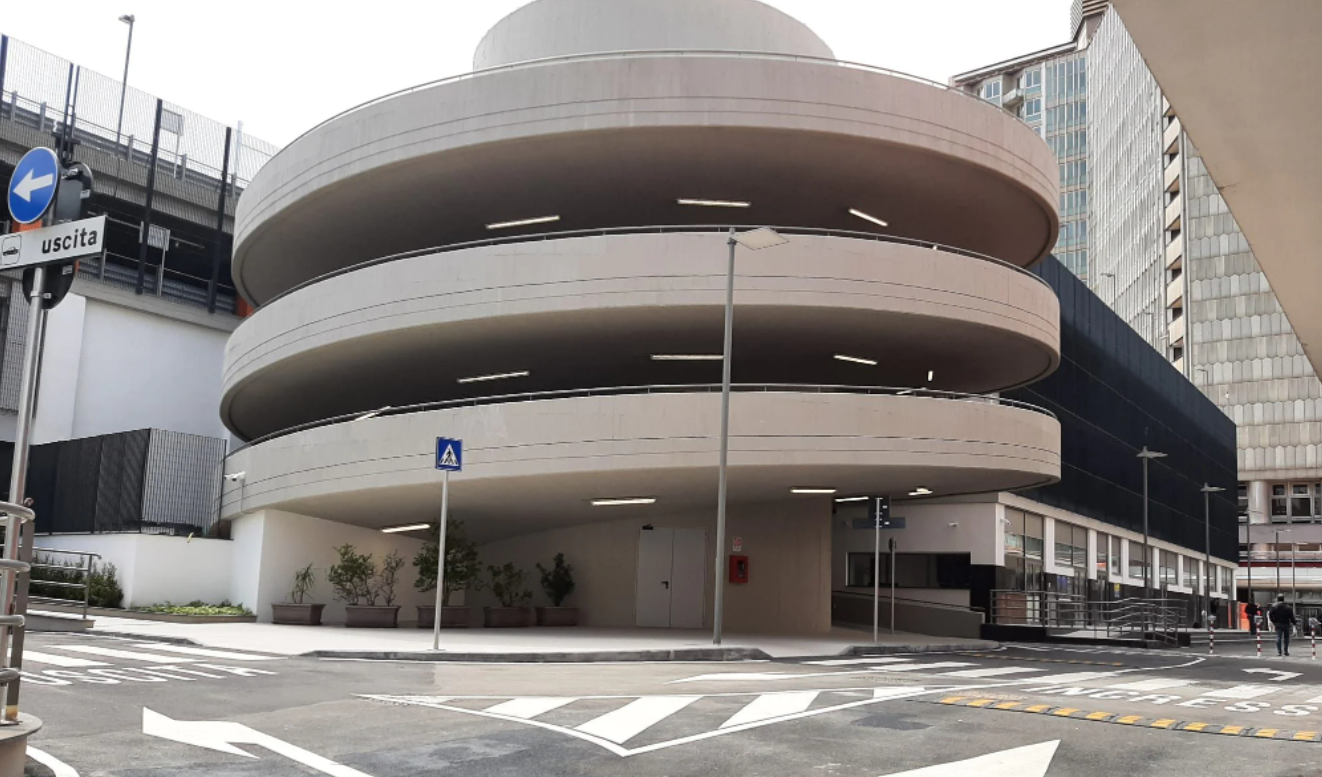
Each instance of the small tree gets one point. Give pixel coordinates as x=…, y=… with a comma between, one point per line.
x=507, y=583
x=388, y=578
x=304, y=581
x=462, y=569
x=352, y=576
x=558, y=581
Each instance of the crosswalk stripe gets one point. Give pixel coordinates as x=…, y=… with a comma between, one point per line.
x=772, y=705
x=922, y=667
x=635, y=717
x=1073, y=677
x=1150, y=685
x=993, y=672
x=46, y=658
x=1240, y=692
x=207, y=652
x=854, y=661
x=130, y=655
x=530, y=707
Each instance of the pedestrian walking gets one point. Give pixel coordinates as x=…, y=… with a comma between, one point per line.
x=1282, y=618
x=1252, y=611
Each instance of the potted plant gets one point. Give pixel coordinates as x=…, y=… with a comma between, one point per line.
x=358, y=584
x=507, y=583
x=295, y=612
x=557, y=583
x=461, y=573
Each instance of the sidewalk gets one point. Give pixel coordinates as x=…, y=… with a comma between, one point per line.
x=531, y=644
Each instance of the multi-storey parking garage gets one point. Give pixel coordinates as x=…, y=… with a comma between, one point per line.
x=531, y=257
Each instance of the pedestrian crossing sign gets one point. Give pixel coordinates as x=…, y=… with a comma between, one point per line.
x=449, y=454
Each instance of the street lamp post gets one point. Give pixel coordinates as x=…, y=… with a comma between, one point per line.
x=754, y=240
x=1294, y=583
x=1279, y=532
x=128, y=19
x=1208, y=489
x=1147, y=456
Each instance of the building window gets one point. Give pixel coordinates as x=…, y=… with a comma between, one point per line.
x=1280, y=504
x=1301, y=501
x=1023, y=549
x=1137, y=560
x=912, y=570
x=1103, y=558
x=1168, y=569
x=1227, y=580
x=1031, y=79
x=1243, y=502
x=1071, y=545
x=992, y=90
x=858, y=573
x=1191, y=572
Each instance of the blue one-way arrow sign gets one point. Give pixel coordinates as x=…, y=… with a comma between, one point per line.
x=33, y=184
x=449, y=454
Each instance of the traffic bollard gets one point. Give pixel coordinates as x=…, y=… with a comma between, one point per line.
x=1259, y=644
x=1211, y=641
x=1313, y=638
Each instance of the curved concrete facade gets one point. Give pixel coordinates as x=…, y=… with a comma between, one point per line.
x=555, y=28
x=536, y=465
x=616, y=141
x=619, y=299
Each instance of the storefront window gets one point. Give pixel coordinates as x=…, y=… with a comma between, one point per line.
x=1103, y=549
x=1071, y=545
x=1191, y=572
x=1168, y=568
x=1023, y=549
x=1137, y=560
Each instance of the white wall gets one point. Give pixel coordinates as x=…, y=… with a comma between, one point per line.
x=61, y=361
x=270, y=545
x=154, y=569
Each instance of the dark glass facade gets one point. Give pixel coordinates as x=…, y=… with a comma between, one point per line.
x=1114, y=394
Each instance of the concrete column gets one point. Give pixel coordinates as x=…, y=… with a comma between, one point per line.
x=1259, y=513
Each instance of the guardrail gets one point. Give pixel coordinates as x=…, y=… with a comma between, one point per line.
x=1133, y=618
x=660, y=229
x=85, y=571
x=792, y=388
x=11, y=619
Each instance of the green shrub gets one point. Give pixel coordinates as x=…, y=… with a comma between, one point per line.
x=507, y=584
x=462, y=569
x=558, y=581
x=352, y=576
x=198, y=608
x=104, y=590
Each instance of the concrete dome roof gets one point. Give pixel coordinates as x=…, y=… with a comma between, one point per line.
x=553, y=28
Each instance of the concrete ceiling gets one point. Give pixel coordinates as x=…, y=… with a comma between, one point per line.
x=1243, y=78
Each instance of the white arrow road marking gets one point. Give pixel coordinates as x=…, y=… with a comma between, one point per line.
x=1283, y=675
x=206, y=652
x=30, y=184
x=1240, y=692
x=1030, y=761
x=58, y=768
x=222, y=736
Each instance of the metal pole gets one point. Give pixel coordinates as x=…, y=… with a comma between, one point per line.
x=440, y=562
x=1278, y=562
x=876, y=575
x=892, y=587
x=19, y=472
x=1248, y=535
x=4, y=65
x=124, y=88
x=217, y=251
x=1294, y=583
x=151, y=191
x=1207, y=547
x=1147, y=546
x=718, y=610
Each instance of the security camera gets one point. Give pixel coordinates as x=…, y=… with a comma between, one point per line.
x=953, y=524
x=235, y=477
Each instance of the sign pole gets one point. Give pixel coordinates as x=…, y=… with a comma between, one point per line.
x=440, y=562
x=892, y=587
x=876, y=574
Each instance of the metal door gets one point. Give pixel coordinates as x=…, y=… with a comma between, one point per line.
x=653, y=592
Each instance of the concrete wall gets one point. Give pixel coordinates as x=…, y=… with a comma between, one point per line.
x=270, y=545
x=788, y=545
x=154, y=569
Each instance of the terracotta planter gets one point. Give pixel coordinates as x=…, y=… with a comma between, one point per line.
x=297, y=614
x=505, y=617
x=557, y=617
x=360, y=616
x=451, y=617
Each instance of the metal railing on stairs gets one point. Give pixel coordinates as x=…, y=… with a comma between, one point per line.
x=84, y=571
x=1147, y=620
x=11, y=619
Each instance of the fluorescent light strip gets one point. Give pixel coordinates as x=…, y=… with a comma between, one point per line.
x=856, y=360
x=852, y=498
x=717, y=203
x=813, y=490
x=931, y=375
x=501, y=376
x=523, y=222
x=921, y=491
x=623, y=502
x=679, y=357
x=410, y=527
x=866, y=217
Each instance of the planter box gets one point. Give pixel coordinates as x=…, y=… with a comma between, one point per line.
x=297, y=614
x=361, y=616
x=505, y=617
x=557, y=616
x=451, y=617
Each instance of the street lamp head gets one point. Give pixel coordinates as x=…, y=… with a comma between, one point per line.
x=757, y=239
x=128, y=19
x=1210, y=489
x=1147, y=454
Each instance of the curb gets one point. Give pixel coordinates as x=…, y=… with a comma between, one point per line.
x=692, y=654
x=948, y=647
x=169, y=640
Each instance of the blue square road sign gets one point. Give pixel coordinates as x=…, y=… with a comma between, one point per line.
x=449, y=454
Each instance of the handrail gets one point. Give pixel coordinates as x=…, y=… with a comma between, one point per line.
x=648, y=230
x=86, y=572
x=1158, y=618
x=885, y=594
x=677, y=388
x=11, y=566
x=646, y=53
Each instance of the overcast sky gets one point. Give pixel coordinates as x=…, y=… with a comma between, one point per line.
x=281, y=66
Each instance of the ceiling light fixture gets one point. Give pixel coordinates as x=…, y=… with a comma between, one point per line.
x=680, y=357
x=856, y=360
x=716, y=203
x=866, y=217
x=500, y=376
x=826, y=491
x=410, y=527
x=523, y=222
x=623, y=502
x=852, y=498
x=921, y=491
x=931, y=375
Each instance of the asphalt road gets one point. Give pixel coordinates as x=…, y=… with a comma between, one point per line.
x=134, y=709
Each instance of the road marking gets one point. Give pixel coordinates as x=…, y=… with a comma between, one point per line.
x=1282, y=675
x=635, y=717
x=207, y=652
x=1030, y=761
x=223, y=735
x=853, y=661
x=1240, y=692
x=128, y=655
x=924, y=667
x=58, y=768
x=1149, y=685
x=994, y=672
x=1076, y=677
x=762, y=676
x=54, y=660
x=529, y=707
x=772, y=705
